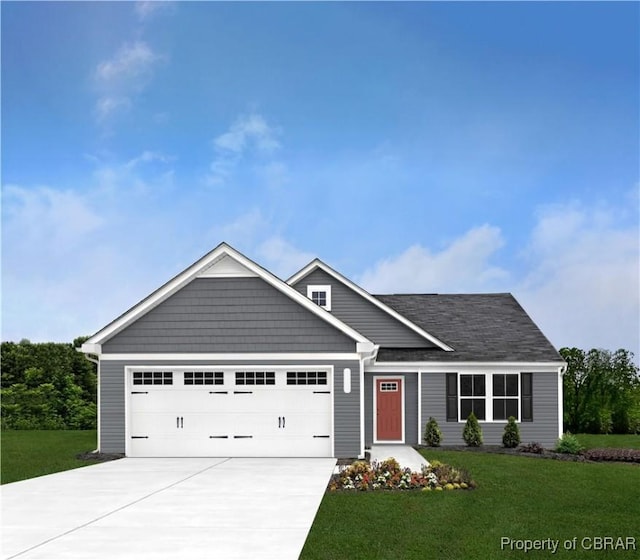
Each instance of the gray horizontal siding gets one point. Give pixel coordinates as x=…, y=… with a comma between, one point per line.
x=112, y=410
x=410, y=381
x=368, y=319
x=346, y=412
x=346, y=406
x=229, y=315
x=544, y=428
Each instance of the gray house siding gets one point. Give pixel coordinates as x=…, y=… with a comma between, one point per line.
x=229, y=315
x=346, y=406
x=362, y=315
x=544, y=428
x=410, y=381
x=112, y=409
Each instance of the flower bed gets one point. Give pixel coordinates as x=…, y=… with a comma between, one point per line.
x=612, y=454
x=388, y=475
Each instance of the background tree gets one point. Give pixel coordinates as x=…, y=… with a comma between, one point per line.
x=601, y=391
x=47, y=386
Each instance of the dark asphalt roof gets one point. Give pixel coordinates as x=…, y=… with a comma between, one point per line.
x=479, y=327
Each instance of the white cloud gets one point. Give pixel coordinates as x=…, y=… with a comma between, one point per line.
x=42, y=214
x=73, y=258
x=131, y=62
x=462, y=266
x=145, y=10
x=249, y=129
x=580, y=279
x=249, y=134
x=108, y=106
x=148, y=156
x=120, y=78
x=281, y=257
x=583, y=280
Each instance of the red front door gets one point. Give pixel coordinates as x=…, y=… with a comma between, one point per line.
x=388, y=409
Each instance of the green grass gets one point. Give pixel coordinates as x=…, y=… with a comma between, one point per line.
x=620, y=441
x=25, y=454
x=517, y=497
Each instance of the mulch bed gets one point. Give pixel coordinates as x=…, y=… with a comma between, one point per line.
x=99, y=457
x=498, y=449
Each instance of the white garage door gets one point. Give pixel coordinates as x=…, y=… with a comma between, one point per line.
x=229, y=412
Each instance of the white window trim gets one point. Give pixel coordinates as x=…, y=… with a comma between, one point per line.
x=400, y=379
x=488, y=398
x=326, y=288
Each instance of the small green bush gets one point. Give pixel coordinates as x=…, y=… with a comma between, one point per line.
x=511, y=435
x=472, y=433
x=432, y=433
x=568, y=443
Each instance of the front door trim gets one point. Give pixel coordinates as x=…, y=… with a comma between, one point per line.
x=394, y=378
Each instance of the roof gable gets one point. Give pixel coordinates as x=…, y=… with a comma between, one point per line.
x=317, y=265
x=223, y=261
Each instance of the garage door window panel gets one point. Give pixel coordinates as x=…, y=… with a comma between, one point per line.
x=203, y=378
x=306, y=378
x=255, y=378
x=153, y=378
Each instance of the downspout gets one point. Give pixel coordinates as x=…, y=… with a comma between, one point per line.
x=97, y=362
x=367, y=357
x=561, y=371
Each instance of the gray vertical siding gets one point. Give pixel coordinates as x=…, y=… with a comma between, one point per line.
x=410, y=381
x=544, y=428
x=346, y=406
x=212, y=315
x=364, y=316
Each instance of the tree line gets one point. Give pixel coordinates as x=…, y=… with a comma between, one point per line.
x=47, y=386
x=601, y=392
x=52, y=386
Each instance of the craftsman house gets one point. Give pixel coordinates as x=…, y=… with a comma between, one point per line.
x=226, y=359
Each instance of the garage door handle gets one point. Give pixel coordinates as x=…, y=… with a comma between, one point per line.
x=279, y=421
x=283, y=421
x=181, y=422
x=177, y=421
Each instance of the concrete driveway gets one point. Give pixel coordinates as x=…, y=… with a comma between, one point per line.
x=165, y=508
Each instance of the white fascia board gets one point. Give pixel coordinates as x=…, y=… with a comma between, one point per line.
x=182, y=279
x=229, y=357
x=317, y=263
x=88, y=348
x=453, y=367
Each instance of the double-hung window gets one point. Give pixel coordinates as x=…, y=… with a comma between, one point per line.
x=505, y=396
x=473, y=392
x=490, y=396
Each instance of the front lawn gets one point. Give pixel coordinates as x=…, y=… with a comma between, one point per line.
x=620, y=441
x=26, y=454
x=517, y=498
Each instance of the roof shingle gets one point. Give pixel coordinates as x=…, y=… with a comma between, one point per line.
x=479, y=327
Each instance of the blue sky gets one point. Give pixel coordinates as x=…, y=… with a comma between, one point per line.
x=415, y=147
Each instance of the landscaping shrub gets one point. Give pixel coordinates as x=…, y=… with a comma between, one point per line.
x=568, y=443
x=388, y=475
x=612, y=454
x=472, y=432
x=533, y=447
x=432, y=433
x=511, y=435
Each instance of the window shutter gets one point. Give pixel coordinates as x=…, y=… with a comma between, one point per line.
x=452, y=397
x=526, y=396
